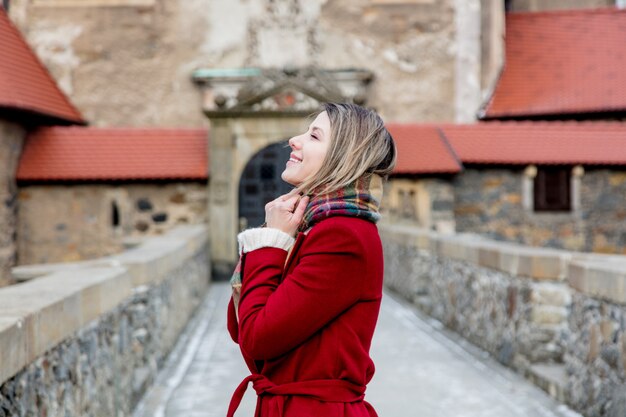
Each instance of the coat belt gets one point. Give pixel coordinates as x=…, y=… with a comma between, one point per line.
x=327, y=390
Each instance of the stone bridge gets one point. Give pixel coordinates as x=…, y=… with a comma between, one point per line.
x=468, y=327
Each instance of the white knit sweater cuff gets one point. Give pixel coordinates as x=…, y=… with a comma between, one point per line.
x=261, y=237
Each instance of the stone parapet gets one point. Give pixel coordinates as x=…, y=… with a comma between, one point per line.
x=599, y=276
x=117, y=316
x=514, y=259
x=44, y=312
x=558, y=317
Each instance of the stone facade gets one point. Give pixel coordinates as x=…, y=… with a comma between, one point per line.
x=603, y=206
x=11, y=143
x=62, y=223
x=492, y=202
x=234, y=141
x=427, y=202
x=111, y=334
x=411, y=47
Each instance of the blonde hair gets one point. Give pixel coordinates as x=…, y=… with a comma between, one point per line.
x=360, y=144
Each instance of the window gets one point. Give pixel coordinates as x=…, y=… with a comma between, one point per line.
x=552, y=189
x=406, y=208
x=115, y=214
x=267, y=172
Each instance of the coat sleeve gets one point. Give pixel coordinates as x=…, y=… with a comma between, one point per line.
x=231, y=321
x=327, y=280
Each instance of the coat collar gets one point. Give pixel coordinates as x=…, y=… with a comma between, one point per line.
x=292, y=253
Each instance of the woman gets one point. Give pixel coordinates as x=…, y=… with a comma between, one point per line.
x=308, y=286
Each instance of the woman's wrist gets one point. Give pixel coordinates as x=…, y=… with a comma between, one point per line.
x=262, y=237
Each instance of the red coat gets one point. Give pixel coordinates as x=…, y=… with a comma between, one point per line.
x=306, y=328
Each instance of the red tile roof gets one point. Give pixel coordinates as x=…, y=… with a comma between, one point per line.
x=25, y=84
x=563, y=62
x=539, y=143
x=422, y=149
x=104, y=154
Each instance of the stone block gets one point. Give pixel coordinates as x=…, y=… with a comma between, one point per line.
x=13, y=346
x=594, y=343
x=544, y=264
x=607, y=329
x=576, y=276
x=489, y=255
x=451, y=248
x=548, y=315
x=549, y=293
x=423, y=241
x=550, y=377
x=509, y=259
x=599, y=278
x=56, y=321
x=470, y=245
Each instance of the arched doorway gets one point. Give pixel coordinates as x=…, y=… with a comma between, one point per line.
x=261, y=183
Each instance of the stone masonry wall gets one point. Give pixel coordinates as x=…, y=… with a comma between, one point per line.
x=63, y=223
x=603, y=206
x=519, y=320
x=427, y=202
x=103, y=367
x=11, y=143
x=490, y=202
x=409, y=45
x=596, y=357
x=558, y=317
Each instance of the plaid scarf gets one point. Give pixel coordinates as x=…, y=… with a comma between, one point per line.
x=361, y=198
x=354, y=200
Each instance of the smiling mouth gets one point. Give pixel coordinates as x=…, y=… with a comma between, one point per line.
x=295, y=161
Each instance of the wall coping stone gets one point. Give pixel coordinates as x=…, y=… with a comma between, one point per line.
x=603, y=278
x=59, y=299
x=598, y=275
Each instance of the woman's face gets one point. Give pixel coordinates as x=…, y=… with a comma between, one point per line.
x=308, y=151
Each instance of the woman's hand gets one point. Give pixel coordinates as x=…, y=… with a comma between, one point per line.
x=286, y=212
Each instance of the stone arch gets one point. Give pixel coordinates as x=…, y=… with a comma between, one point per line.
x=249, y=109
x=260, y=182
x=234, y=141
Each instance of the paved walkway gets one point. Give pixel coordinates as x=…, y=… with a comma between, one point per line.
x=422, y=370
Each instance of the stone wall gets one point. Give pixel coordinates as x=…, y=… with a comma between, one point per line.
x=596, y=356
x=491, y=202
x=519, y=320
x=62, y=223
x=603, y=206
x=11, y=143
x=410, y=45
x=558, y=317
x=87, y=339
x=426, y=202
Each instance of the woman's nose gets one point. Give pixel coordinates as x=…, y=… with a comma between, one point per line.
x=293, y=142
